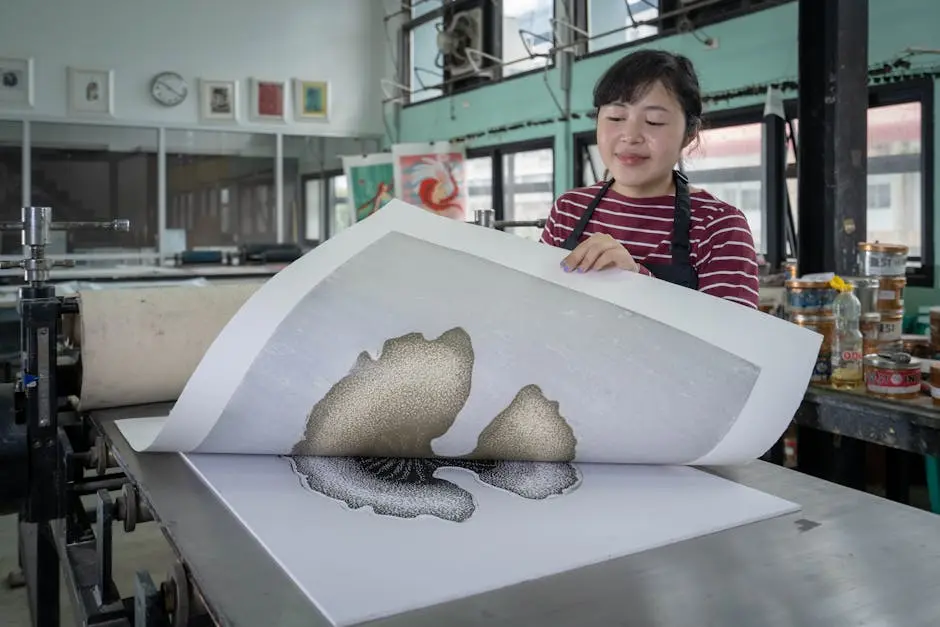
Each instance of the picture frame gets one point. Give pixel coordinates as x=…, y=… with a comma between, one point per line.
x=90, y=91
x=267, y=100
x=17, y=83
x=218, y=100
x=311, y=100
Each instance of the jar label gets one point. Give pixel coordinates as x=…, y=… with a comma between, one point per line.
x=893, y=380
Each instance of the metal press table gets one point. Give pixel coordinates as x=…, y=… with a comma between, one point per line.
x=847, y=558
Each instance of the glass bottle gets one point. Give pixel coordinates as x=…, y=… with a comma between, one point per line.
x=847, y=341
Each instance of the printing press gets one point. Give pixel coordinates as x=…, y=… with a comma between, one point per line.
x=846, y=558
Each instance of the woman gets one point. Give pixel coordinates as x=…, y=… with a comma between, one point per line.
x=644, y=218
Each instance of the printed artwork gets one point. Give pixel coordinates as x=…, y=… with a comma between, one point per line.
x=495, y=352
x=91, y=91
x=391, y=467
x=371, y=182
x=311, y=100
x=432, y=176
x=16, y=87
x=219, y=100
x=441, y=397
x=267, y=100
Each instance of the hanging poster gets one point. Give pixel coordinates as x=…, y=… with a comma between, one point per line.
x=371, y=182
x=433, y=176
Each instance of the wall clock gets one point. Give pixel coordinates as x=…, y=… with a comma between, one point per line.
x=169, y=89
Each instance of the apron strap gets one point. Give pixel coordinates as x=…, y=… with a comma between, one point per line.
x=680, y=246
x=682, y=221
x=572, y=240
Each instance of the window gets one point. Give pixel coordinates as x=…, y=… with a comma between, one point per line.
x=11, y=185
x=726, y=161
x=528, y=188
x=479, y=185
x=423, y=7
x=516, y=36
x=527, y=31
x=516, y=181
x=313, y=210
x=424, y=72
x=897, y=199
x=341, y=214
x=879, y=196
x=604, y=16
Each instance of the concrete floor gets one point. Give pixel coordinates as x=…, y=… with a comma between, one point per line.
x=144, y=549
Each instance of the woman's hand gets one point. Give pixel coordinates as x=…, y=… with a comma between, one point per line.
x=599, y=252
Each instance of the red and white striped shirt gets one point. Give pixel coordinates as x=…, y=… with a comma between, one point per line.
x=722, y=247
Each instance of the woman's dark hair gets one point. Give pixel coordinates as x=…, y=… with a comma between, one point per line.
x=630, y=78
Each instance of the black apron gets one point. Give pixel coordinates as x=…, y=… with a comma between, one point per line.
x=680, y=271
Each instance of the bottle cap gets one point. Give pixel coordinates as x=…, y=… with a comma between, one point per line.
x=839, y=284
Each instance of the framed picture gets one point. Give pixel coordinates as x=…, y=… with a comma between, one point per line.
x=91, y=92
x=267, y=100
x=218, y=100
x=311, y=100
x=16, y=83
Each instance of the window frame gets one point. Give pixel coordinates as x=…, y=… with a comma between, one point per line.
x=880, y=93
x=326, y=220
x=493, y=32
x=713, y=13
x=496, y=152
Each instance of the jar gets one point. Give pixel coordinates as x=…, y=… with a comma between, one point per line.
x=809, y=297
x=935, y=382
x=866, y=290
x=868, y=324
x=889, y=329
x=916, y=345
x=892, y=375
x=891, y=292
x=825, y=325
x=880, y=260
x=935, y=328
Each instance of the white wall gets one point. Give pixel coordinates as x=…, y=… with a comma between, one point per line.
x=333, y=40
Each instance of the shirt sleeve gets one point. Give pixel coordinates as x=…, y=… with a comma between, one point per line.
x=550, y=234
x=727, y=266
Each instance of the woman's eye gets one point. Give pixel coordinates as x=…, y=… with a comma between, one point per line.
x=651, y=123
x=611, y=118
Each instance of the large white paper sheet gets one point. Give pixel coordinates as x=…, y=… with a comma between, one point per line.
x=404, y=416
x=356, y=565
x=485, y=346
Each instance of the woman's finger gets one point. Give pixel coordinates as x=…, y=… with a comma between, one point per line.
x=592, y=254
x=607, y=259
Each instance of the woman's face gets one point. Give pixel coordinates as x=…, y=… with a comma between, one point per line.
x=641, y=142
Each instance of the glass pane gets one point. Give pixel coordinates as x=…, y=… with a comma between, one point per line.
x=423, y=7
x=313, y=209
x=98, y=173
x=529, y=186
x=592, y=167
x=479, y=185
x=11, y=185
x=894, y=175
x=527, y=29
x=726, y=162
x=342, y=215
x=220, y=188
x=607, y=15
x=424, y=53
x=895, y=194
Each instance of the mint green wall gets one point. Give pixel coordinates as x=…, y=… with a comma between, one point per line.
x=753, y=49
